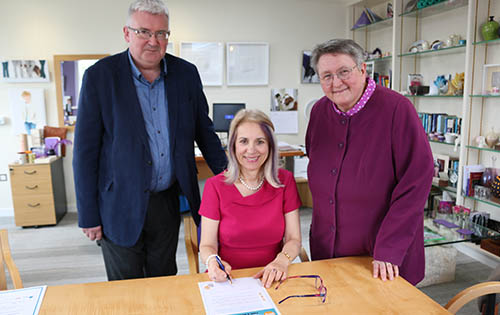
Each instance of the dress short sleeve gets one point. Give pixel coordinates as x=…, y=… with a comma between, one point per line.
x=291, y=200
x=210, y=203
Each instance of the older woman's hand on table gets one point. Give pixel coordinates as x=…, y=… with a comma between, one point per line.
x=385, y=270
x=275, y=271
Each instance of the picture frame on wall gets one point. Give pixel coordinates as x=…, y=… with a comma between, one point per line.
x=307, y=74
x=491, y=79
x=25, y=71
x=247, y=63
x=208, y=57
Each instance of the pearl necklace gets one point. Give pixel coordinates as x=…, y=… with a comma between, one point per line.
x=250, y=187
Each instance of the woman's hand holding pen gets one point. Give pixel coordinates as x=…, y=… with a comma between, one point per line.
x=215, y=273
x=275, y=271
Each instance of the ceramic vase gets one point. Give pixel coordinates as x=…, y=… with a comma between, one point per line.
x=491, y=138
x=489, y=30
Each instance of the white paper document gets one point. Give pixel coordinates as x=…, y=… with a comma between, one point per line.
x=285, y=122
x=22, y=301
x=243, y=296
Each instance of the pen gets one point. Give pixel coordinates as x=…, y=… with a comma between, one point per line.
x=223, y=269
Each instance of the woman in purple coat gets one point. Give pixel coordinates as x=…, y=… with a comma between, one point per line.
x=370, y=167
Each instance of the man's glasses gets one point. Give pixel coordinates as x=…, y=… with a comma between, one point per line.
x=318, y=284
x=147, y=34
x=342, y=74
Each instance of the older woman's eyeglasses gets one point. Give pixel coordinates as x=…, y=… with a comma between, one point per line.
x=147, y=34
x=342, y=74
x=318, y=284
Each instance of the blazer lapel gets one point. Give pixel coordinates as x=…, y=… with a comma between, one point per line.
x=172, y=96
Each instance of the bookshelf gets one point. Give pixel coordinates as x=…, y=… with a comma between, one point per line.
x=478, y=110
x=377, y=34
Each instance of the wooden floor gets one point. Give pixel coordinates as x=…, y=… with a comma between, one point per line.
x=62, y=254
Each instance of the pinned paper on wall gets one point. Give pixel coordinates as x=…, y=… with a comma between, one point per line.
x=285, y=122
x=28, y=109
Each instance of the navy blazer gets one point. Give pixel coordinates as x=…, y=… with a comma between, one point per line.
x=112, y=161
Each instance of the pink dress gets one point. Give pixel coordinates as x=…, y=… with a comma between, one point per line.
x=251, y=228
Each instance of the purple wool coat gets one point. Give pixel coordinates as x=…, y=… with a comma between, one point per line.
x=370, y=175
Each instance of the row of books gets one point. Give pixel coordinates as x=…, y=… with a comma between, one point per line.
x=440, y=123
x=383, y=80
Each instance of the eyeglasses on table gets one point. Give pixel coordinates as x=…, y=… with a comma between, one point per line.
x=318, y=284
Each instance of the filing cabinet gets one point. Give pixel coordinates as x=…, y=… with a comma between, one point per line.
x=38, y=193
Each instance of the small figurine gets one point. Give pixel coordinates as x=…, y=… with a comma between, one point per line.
x=441, y=84
x=456, y=86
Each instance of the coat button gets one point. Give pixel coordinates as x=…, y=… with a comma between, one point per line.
x=341, y=145
x=331, y=201
x=150, y=163
x=332, y=228
x=343, y=121
x=334, y=171
x=146, y=190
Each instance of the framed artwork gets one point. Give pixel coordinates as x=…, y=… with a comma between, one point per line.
x=307, y=75
x=247, y=63
x=25, y=71
x=370, y=67
x=491, y=78
x=28, y=109
x=441, y=164
x=208, y=58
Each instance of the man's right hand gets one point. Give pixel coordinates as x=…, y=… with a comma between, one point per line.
x=94, y=234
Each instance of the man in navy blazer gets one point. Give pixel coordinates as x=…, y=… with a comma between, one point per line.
x=139, y=114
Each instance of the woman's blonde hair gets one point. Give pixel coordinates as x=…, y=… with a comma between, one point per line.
x=271, y=164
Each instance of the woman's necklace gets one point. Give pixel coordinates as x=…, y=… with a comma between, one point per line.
x=250, y=187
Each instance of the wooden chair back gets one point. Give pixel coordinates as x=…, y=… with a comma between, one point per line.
x=191, y=241
x=192, y=249
x=472, y=293
x=7, y=261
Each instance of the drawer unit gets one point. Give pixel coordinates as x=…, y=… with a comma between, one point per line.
x=38, y=193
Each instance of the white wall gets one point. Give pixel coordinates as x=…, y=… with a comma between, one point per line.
x=33, y=29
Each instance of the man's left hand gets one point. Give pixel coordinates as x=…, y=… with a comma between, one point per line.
x=385, y=270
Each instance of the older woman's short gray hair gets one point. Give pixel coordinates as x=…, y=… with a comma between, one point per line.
x=271, y=165
x=338, y=46
x=149, y=6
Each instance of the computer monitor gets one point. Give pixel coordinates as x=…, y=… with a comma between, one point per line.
x=223, y=114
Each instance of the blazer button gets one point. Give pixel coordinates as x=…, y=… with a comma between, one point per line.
x=150, y=163
x=341, y=145
x=334, y=171
x=331, y=201
x=343, y=121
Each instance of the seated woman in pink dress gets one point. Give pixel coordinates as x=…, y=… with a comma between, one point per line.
x=249, y=212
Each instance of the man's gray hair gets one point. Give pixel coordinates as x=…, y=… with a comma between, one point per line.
x=149, y=6
x=338, y=46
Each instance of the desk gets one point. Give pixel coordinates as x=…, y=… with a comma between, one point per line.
x=204, y=172
x=351, y=290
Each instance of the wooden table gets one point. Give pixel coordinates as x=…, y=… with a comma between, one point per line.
x=351, y=290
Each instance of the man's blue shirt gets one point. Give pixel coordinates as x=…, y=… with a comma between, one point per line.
x=154, y=106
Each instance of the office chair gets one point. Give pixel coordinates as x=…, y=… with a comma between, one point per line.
x=6, y=261
x=489, y=288
x=192, y=248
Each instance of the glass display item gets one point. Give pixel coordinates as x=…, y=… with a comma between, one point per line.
x=489, y=30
